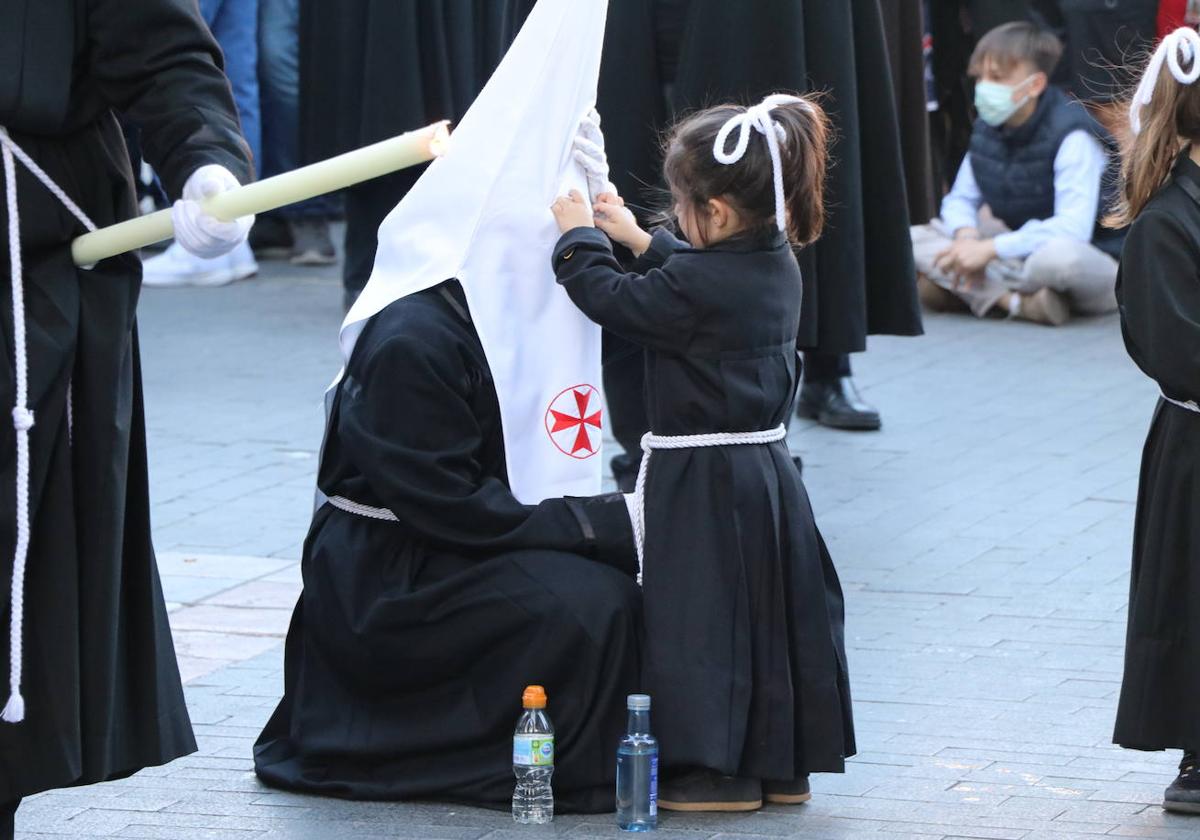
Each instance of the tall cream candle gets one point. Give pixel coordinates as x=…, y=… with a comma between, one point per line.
x=328, y=176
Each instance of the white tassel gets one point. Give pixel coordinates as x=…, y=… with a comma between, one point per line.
x=14, y=710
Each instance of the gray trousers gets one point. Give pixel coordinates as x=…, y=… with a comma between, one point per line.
x=1083, y=273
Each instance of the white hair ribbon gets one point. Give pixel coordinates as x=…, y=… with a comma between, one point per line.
x=759, y=118
x=1178, y=47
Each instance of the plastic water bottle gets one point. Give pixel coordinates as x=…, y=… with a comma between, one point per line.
x=637, y=770
x=533, y=761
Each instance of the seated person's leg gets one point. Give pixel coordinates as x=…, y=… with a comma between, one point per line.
x=933, y=286
x=1079, y=271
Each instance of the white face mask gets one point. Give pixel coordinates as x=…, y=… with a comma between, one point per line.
x=995, y=104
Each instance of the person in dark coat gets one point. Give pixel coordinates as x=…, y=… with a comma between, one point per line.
x=1158, y=290
x=415, y=635
x=375, y=69
x=101, y=686
x=860, y=278
x=744, y=613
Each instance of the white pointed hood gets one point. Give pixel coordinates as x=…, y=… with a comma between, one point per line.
x=481, y=213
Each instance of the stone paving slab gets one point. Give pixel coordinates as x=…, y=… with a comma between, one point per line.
x=982, y=537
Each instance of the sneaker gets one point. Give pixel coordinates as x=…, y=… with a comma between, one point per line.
x=176, y=267
x=707, y=790
x=271, y=238
x=1046, y=307
x=788, y=793
x=311, y=243
x=1183, y=796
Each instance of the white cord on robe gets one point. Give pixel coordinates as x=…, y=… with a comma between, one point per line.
x=651, y=442
x=14, y=709
x=1179, y=46
x=759, y=118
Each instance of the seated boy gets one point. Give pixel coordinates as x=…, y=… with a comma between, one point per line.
x=1020, y=231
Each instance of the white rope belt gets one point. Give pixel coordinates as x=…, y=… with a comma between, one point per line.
x=366, y=511
x=1190, y=405
x=652, y=442
x=14, y=709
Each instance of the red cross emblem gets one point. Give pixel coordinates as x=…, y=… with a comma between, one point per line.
x=570, y=422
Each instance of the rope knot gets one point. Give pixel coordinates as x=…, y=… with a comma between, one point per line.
x=22, y=419
x=1179, y=47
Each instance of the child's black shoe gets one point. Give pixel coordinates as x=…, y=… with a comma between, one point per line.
x=795, y=792
x=707, y=790
x=1183, y=795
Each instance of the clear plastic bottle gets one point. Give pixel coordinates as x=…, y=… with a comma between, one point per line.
x=533, y=761
x=637, y=770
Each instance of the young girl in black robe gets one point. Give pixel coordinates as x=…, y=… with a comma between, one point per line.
x=743, y=610
x=1158, y=290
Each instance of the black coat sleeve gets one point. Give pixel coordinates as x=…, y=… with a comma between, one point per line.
x=1159, y=295
x=652, y=309
x=406, y=423
x=155, y=61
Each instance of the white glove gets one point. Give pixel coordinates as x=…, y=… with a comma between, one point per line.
x=590, y=154
x=199, y=233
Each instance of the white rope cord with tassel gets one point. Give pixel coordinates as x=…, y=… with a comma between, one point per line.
x=1180, y=46
x=14, y=709
x=759, y=119
x=652, y=442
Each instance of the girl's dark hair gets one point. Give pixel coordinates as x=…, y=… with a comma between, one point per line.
x=695, y=175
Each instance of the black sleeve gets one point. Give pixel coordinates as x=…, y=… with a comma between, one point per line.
x=406, y=424
x=651, y=309
x=1159, y=296
x=155, y=61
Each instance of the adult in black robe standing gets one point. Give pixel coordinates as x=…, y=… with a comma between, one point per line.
x=373, y=69
x=1158, y=290
x=413, y=639
x=101, y=684
x=665, y=57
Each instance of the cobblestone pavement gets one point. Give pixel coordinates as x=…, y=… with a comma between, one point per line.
x=983, y=539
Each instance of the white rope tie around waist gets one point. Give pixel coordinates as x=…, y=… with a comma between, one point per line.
x=652, y=442
x=1190, y=405
x=14, y=709
x=1180, y=46
x=759, y=118
x=358, y=509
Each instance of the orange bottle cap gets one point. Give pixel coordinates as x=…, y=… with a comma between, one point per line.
x=534, y=697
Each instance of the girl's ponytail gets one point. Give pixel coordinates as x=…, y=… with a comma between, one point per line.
x=1164, y=116
x=805, y=158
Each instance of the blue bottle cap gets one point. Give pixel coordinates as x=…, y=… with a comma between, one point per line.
x=639, y=702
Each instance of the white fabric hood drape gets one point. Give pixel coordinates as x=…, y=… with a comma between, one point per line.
x=481, y=214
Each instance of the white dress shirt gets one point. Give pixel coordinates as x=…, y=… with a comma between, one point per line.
x=1078, y=169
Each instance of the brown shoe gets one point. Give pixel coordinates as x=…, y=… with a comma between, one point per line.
x=1045, y=306
x=936, y=299
x=707, y=790
x=795, y=792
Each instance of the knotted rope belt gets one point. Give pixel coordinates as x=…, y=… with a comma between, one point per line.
x=14, y=709
x=1191, y=405
x=652, y=442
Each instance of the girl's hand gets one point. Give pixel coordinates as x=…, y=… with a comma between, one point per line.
x=618, y=221
x=571, y=211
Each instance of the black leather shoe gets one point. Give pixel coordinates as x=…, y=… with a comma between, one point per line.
x=1183, y=796
x=837, y=404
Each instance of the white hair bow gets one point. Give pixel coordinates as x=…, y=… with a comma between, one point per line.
x=759, y=118
x=1180, y=46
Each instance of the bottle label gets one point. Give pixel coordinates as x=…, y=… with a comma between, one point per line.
x=654, y=785
x=533, y=750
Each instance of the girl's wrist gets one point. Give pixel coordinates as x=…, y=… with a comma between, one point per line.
x=640, y=243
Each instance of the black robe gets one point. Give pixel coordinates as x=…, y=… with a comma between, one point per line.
x=859, y=278
x=745, y=656
x=412, y=641
x=101, y=682
x=1158, y=290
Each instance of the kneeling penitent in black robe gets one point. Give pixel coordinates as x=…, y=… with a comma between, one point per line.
x=413, y=640
x=1159, y=294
